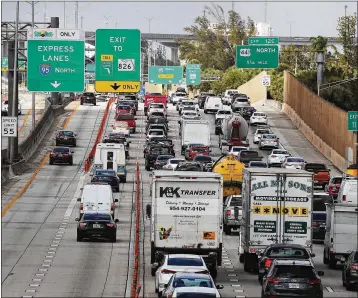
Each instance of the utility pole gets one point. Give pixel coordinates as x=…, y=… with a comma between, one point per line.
x=45, y=17
x=149, y=45
x=265, y=12
x=33, y=97
x=64, y=14
x=55, y=23
x=13, y=86
x=76, y=15
x=81, y=22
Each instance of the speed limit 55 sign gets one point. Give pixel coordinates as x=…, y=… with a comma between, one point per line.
x=9, y=126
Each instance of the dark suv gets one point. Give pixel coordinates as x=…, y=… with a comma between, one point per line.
x=152, y=154
x=88, y=97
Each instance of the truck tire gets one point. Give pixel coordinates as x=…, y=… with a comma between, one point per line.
x=241, y=258
x=332, y=262
x=227, y=230
x=246, y=265
x=147, y=168
x=152, y=273
x=205, y=111
x=325, y=260
x=152, y=253
x=214, y=272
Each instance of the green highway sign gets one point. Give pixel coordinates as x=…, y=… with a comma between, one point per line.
x=353, y=121
x=5, y=64
x=259, y=40
x=165, y=75
x=118, y=60
x=192, y=74
x=56, y=60
x=258, y=56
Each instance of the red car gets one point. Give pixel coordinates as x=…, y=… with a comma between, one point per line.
x=153, y=98
x=61, y=155
x=195, y=150
x=334, y=186
x=124, y=109
x=129, y=118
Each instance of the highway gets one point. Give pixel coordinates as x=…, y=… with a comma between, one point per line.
x=40, y=254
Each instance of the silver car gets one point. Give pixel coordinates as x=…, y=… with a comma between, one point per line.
x=232, y=213
x=269, y=141
x=293, y=163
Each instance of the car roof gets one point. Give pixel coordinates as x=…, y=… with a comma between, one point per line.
x=184, y=256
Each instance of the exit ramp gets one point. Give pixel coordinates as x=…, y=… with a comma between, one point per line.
x=254, y=88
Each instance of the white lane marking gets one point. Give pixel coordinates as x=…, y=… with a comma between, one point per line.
x=234, y=280
x=75, y=196
x=61, y=228
x=230, y=270
x=54, y=245
x=45, y=265
x=34, y=285
x=55, y=241
x=37, y=279
x=42, y=270
x=26, y=296
x=49, y=256
x=48, y=261
x=58, y=238
x=231, y=275
x=52, y=248
x=329, y=289
x=40, y=274
x=240, y=296
x=30, y=291
x=64, y=223
x=61, y=232
x=239, y=291
x=236, y=285
x=230, y=267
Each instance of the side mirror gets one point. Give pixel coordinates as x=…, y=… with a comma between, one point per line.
x=72, y=151
x=210, y=150
x=77, y=219
x=78, y=199
x=343, y=259
x=320, y=273
x=219, y=287
x=116, y=220
x=313, y=255
x=165, y=286
x=179, y=121
x=116, y=200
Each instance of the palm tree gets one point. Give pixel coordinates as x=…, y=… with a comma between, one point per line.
x=319, y=43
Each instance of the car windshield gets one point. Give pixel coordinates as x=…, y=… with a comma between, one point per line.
x=224, y=112
x=319, y=202
x=199, y=149
x=192, y=281
x=289, y=252
x=195, y=295
x=88, y=94
x=257, y=164
x=177, y=261
x=271, y=137
x=66, y=133
x=315, y=167
x=159, y=150
x=249, y=154
x=164, y=157
x=96, y=217
x=156, y=132
x=125, y=117
x=262, y=131
x=157, y=114
x=237, y=149
x=280, y=152
x=176, y=161
x=157, y=106
x=123, y=107
x=259, y=115
x=236, y=201
x=189, y=108
x=294, y=271
x=202, y=158
x=195, y=145
x=105, y=173
x=61, y=150
x=295, y=160
x=188, y=103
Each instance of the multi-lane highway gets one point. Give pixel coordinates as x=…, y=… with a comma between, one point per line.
x=40, y=254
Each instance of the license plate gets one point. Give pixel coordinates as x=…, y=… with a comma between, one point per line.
x=97, y=226
x=293, y=286
x=60, y=155
x=216, y=105
x=65, y=138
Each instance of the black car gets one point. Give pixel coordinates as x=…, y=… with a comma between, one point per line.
x=319, y=215
x=132, y=103
x=350, y=271
x=205, y=161
x=161, y=161
x=292, y=278
x=156, y=120
x=66, y=137
x=61, y=155
x=97, y=225
x=130, y=98
x=257, y=164
x=159, y=141
x=152, y=154
x=158, y=126
x=189, y=166
x=88, y=97
x=107, y=176
x=280, y=252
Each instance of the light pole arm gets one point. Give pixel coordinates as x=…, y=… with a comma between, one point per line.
x=329, y=85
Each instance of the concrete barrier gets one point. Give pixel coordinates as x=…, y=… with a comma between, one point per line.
x=275, y=104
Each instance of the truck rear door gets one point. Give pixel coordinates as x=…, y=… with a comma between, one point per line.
x=344, y=231
x=188, y=213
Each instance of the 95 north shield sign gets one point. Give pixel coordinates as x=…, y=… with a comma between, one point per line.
x=56, y=60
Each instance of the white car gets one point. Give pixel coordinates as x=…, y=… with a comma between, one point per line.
x=221, y=114
x=277, y=157
x=293, y=163
x=191, y=285
x=122, y=127
x=269, y=141
x=189, y=108
x=157, y=107
x=259, y=132
x=172, y=163
x=5, y=108
x=159, y=133
x=186, y=103
x=235, y=150
x=176, y=263
x=258, y=118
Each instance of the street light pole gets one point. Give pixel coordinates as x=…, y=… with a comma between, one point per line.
x=76, y=15
x=64, y=14
x=81, y=22
x=290, y=23
x=149, y=45
x=33, y=96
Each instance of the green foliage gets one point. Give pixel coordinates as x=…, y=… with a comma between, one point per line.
x=276, y=88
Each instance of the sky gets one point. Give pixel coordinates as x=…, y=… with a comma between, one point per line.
x=304, y=18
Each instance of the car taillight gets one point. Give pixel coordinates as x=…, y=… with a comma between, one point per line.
x=110, y=225
x=112, y=206
x=268, y=263
x=354, y=267
x=81, y=206
x=166, y=271
x=315, y=224
x=285, y=164
x=53, y=154
x=273, y=280
x=273, y=156
x=314, y=282
x=228, y=212
x=157, y=163
x=344, y=197
x=83, y=224
x=203, y=272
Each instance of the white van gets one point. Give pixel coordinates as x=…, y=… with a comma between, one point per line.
x=112, y=157
x=97, y=197
x=348, y=191
x=213, y=104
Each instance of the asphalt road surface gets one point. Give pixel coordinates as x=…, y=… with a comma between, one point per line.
x=40, y=254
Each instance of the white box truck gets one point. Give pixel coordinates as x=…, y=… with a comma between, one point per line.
x=195, y=131
x=341, y=233
x=112, y=157
x=186, y=215
x=276, y=208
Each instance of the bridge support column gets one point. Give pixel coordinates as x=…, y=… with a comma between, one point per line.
x=175, y=55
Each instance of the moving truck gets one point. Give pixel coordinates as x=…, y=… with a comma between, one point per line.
x=186, y=215
x=112, y=157
x=195, y=131
x=341, y=233
x=276, y=208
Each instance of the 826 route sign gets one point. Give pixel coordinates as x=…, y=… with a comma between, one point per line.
x=192, y=74
x=9, y=126
x=257, y=56
x=118, y=60
x=56, y=60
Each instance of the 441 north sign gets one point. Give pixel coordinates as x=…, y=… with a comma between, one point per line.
x=56, y=60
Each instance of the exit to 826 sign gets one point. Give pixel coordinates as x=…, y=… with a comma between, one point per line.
x=9, y=127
